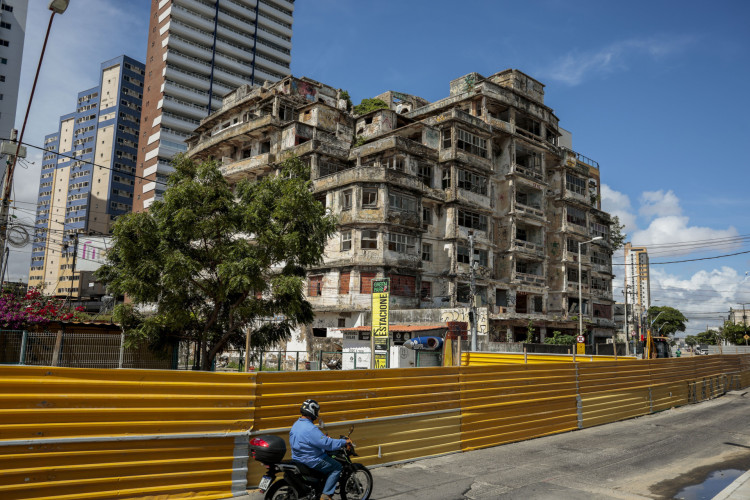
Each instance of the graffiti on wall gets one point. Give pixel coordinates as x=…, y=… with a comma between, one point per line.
x=304, y=89
x=462, y=314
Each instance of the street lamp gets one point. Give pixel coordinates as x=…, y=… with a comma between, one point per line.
x=580, y=293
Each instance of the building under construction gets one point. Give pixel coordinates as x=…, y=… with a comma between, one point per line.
x=413, y=182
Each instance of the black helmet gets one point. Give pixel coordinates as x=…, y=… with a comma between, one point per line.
x=310, y=408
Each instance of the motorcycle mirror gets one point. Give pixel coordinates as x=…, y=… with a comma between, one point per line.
x=321, y=424
x=351, y=429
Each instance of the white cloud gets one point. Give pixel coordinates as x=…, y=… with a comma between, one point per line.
x=617, y=203
x=659, y=204
x=676, y=229
x=574, y=67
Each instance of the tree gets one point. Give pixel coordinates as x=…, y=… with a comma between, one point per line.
x=558, y=338
x=208, y=264
x=666, y=320
x=368, y=105
x=691, y=340
x=26, y=310
x=708, y=337
x=734, y=333
x=616, y=235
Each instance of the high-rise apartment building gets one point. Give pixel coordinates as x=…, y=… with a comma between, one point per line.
x=12, y=34
x=413, y=183
x=198, y=52
x=87, y=176
x=637, y=283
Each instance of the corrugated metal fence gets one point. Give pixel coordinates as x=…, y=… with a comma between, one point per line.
x=70, y=433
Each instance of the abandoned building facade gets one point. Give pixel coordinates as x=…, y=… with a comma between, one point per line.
x=410, y=182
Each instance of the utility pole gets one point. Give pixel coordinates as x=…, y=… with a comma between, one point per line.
x=73, y=273
x=627, y=331
x=472, y=292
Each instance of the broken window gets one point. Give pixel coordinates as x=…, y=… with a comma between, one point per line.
x=472, y=220
x=286, y=113
x=447, y=139
x=472, y=182
x=346, y=200
x=427, y=252
x=466, y=141
x=528, y=158
x=369, y=239
x=446, y=178
x=529, y=125
x=575, y=184
x=321, y=198
x=521, y=234
x=501, y=297
x=575, y=216
x=522, y=302
x=346, y=241
x=599, y=230
x=402, y=202
x=326, y=167
x=600, y=259
x=320, y=332
x=480, y=256
x=538, y=304
x=369, y=197
x=427, y=216
x=425, y=290
x=463, y=292
x=425, y=174
x=265, y=147
x=599, y=283
x=402, y=243
x=396, y=163
x=572, y=246
x=573, y=276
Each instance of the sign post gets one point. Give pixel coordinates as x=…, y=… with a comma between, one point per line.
x=379, y=339
x=580, y=344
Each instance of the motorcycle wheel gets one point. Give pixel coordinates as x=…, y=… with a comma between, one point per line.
x=356, y=485
x=281, y=490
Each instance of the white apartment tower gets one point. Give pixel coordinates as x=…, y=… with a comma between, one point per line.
x=198, y=52
x=12, y=33
x=637, y=283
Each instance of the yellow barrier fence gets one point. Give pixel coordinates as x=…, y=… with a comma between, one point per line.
x=73, y=433
x=513, y=358
x=70, y=433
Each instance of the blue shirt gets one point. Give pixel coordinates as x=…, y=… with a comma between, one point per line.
x=309, y=444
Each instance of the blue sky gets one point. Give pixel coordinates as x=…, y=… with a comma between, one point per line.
x=656, y=92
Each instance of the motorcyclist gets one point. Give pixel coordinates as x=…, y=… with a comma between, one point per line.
x=309, y=446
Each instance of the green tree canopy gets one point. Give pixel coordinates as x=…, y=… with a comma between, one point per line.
x=691, y=340
x=368, y=105
x=666, y=320
x=208, y=264
x=708, y=337
x=734, y=333
x=616, y=235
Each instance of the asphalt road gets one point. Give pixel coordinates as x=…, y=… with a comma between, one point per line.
x=654, y=456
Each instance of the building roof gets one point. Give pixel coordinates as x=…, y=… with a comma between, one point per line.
x=399, y=328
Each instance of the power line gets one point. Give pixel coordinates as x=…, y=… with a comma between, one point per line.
x=686, y=260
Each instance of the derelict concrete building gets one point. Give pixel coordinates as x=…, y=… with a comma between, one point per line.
x=408, y=184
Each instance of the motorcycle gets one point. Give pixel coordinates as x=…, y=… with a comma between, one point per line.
x=300, y=482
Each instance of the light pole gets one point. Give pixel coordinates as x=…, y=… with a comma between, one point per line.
x=57, y=7
x=580, y=287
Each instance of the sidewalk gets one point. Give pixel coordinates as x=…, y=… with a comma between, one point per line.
x=738, y=490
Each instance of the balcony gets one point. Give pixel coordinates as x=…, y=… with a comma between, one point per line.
x=235, y=170
x=527, y=211
x=528, y=247
x=529, y=279
x=527, y=172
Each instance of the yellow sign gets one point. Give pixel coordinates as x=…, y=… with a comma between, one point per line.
x=448, y=352
x=380, y=299
x=380, y=360
x=580, y=348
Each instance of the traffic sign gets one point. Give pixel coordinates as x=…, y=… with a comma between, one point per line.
x=747, y=336
x=580, y=339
